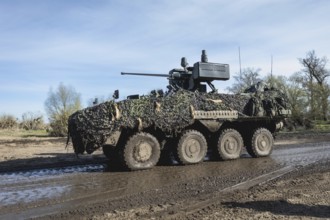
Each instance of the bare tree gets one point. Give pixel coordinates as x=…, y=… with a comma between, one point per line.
x=249, y=77
x=32, y=121
x=59, y=105
x=316, y=74
x=315, y=67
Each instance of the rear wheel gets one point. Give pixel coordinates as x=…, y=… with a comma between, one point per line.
x=230, y=144
x=141, y=151
x=261, y=144
x=192, y=147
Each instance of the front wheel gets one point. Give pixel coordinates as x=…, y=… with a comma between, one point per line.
x=142, y=151
x=261, y=144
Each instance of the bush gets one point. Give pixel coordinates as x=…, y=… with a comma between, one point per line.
x=58, y=127
x=309, y=124
x=59, y=105
x=290, y=124
x=32, y=121
x=8, y=122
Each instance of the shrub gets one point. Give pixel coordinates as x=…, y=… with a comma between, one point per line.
x=59, y=105
x=8, y=122
x=32, y=121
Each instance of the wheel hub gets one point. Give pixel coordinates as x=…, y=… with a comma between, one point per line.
x=192, y=148
x=143, y=151
x=230, y=145
x=263, y=143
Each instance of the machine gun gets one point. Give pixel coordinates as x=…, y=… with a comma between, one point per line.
x=191, y=77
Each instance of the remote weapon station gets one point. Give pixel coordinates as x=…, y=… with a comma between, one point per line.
x=185, y=121
x=190, y=78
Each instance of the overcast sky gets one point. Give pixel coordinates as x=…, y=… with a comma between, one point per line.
x=86, y=44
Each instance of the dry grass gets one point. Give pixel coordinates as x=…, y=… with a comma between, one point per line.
x=23, y=133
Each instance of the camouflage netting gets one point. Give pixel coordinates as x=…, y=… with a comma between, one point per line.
x=90, y=127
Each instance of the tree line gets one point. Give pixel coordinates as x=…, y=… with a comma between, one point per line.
x=307, y=90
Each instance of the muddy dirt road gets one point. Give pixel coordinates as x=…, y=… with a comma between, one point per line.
x=293, y=183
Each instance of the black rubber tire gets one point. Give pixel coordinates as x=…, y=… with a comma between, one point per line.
x=230, y=144
x=142, y=151
x=261, y=143
x=192, y=147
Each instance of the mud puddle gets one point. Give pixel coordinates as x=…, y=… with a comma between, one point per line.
x=41, y=174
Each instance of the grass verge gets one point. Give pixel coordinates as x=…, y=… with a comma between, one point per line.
x=23, y=133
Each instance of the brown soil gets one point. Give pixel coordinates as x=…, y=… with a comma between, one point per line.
x=38, y=152
x=295, y=196
x=195, y=192
x=14, y=148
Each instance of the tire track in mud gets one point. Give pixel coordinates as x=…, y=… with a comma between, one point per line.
x=302, y=194
x=194, y=207
x=22, y=193
x=121, y=185
x=98, y=192
x=196, y=203
x=34, y=185
x=208, y=204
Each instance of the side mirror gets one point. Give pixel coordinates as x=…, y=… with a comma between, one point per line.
x=116, y=94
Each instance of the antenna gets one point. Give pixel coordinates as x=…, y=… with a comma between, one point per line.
x=271, y=66
x=240, y=65
x=271, y=71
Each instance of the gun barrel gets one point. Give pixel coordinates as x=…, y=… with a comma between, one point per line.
x=145, y=74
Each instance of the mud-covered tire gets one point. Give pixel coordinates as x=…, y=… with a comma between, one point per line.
x=192, y=147
x=142, y=151
x=261, y=143
x=230, y=144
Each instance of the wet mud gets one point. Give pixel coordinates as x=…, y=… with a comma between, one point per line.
x=168, y=192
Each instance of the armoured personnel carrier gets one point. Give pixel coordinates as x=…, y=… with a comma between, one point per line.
x=186, y=120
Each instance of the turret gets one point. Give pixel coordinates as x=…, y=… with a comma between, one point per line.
x=191, y=78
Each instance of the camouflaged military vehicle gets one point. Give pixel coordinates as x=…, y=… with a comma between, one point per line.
x=186, y=121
